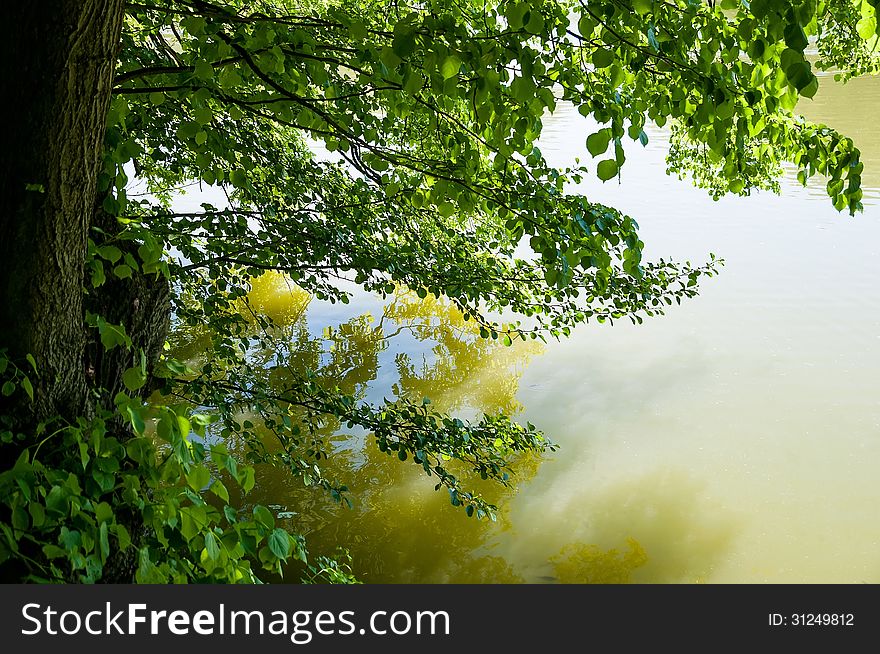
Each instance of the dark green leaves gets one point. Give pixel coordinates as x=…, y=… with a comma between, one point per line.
x=134, y=378
x=603, y=58
x=795, y=37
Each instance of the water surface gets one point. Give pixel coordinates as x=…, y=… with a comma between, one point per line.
x=736, y=439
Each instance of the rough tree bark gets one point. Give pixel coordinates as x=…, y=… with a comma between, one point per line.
x=60, y=58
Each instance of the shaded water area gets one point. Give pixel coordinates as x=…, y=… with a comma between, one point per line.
x=736, y=439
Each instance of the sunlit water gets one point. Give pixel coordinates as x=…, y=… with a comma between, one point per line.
x=736, y=439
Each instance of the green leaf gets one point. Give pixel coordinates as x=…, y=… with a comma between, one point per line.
x=30, y=360
x=264, y=517
x=38, y=514
x=643, y=6
x=134, y=378
x=446, y=209
x=122, y=536
x=98, y=277
x=800, y=75
x=122, y=271
x=104, y=541
x=198, y=477
x=279, y=543
x=795, y=37
x=607, y=169
x=238, y=178
x=586, y=25
x=867, y=27
x=157, y=98
x=219, y=489
x=204, y=70
x=203, y=115
x=403, y=45
x=110, y=252
x=602, y=58
x=28, y=388
x=450, y=66
x=212, y=546
x=103, y=512
x=53, y=552
x=357, y=30
x=112, y=335
x=229, y=78
x=192, y=520
x=598, y=143
x=20, y=519
x=810, y=89
x=70, y=539
x=8, y=388
x=246, y=479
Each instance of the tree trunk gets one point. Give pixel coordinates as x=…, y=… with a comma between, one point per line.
x=58, y=80
x=60, y=58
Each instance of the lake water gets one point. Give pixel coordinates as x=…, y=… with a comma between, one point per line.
x=736, y=439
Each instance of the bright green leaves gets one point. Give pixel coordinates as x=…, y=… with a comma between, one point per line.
x=607, y=169
x=198, y=478
x=450, y=67
x=598, y=143
x=75, y=514
x=867, y=27
x=643, y=7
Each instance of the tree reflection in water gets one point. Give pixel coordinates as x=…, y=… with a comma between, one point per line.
x=397, y=529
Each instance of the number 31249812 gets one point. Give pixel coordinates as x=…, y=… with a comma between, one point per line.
x=811, y=620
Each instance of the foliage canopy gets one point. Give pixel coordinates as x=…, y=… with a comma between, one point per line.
x=380, y=145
